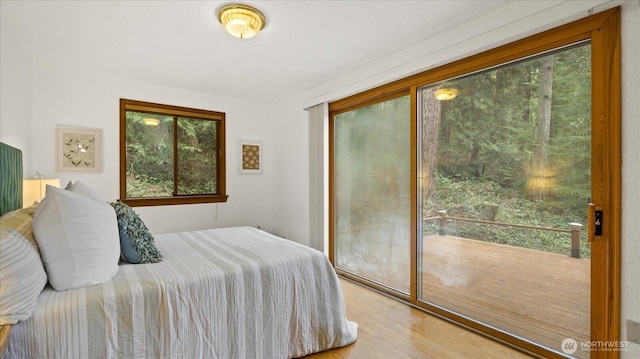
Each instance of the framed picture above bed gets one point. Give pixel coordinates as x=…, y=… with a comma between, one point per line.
x=249, y=157
x=78, y=149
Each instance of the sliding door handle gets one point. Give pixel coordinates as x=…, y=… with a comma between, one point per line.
x=594, y=220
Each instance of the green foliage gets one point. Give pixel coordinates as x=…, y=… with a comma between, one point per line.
x=143, y=186
x=488, y=131
x=488, y=148
x=468, y=198
x=196, y=156
x=150, y=156
x=488, y=144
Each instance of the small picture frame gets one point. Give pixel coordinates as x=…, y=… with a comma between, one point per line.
x=249, y=157
x=78, y=149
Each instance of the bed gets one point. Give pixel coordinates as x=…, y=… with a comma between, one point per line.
x=221, y=293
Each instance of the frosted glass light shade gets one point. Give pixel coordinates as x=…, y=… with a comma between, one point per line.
x=445, y=94
x=241, y=21
x=34, y=189
x=150, y=121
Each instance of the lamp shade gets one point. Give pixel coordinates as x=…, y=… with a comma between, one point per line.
x=241, y=21
x=33, y=189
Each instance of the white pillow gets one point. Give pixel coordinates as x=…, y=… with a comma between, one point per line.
x=81, y=188
x=78, y=239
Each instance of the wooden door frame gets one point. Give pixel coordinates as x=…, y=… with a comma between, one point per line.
x=603, y=30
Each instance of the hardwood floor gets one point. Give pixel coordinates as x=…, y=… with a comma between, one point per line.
x=541, y=296
x=390, y=329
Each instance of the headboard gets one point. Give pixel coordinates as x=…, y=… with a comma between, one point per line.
x=10, y=178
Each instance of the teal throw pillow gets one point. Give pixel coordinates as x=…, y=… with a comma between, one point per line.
x=136, y=241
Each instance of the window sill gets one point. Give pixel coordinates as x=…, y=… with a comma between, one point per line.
x=168, y=201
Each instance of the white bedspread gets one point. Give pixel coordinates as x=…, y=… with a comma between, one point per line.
x=221, y=293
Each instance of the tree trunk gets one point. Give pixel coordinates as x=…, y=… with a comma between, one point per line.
x=539, y=177
x=430, y=133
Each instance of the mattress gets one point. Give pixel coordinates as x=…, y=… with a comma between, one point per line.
x=221, y=293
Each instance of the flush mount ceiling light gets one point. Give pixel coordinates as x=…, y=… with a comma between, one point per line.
x=242, y=21
x=445, y=94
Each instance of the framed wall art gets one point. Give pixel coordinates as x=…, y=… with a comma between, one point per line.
x=249, y=157
x=78, y=150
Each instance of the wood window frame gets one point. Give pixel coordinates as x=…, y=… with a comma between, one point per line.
x=149, y=107
x=603, y=31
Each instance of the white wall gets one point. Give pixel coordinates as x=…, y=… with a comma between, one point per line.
x=630, y=169
x=16, y=77
x=65, y=98
x=290, y=194
x=517, y=21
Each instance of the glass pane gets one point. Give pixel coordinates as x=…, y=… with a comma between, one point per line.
x=372, y=192
x=197, y=148
x=149, y=155
x=505, y=178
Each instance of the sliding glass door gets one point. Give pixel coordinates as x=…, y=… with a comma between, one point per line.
x=487, y=190
x=505, y=180
x=371, y=192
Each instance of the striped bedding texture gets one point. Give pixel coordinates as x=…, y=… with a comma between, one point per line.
x=221, y=293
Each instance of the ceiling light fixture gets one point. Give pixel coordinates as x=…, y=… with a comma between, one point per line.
x=242, y=21
x=445, y=94
x=150, y=121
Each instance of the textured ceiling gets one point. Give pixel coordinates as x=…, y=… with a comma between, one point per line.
x=180, y=44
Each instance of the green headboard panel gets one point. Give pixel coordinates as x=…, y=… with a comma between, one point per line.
x=10, y=178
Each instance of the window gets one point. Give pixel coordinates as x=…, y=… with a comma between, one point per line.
x=532, y=137
x=372, y=199
x=505, y=172
x=170, y=155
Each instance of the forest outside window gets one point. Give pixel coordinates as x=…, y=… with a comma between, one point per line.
x=171, y=155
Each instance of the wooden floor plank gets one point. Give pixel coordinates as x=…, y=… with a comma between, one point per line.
x=539, y=296
x=390, y=329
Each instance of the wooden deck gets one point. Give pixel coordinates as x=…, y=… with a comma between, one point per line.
x=540, y=296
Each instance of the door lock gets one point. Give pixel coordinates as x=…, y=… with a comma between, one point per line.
x=597, y=224
x=594, y=218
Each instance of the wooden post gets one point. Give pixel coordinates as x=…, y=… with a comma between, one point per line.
x=442, y=222
x=575, y=239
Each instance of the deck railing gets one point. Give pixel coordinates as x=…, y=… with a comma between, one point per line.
x=574, y=228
